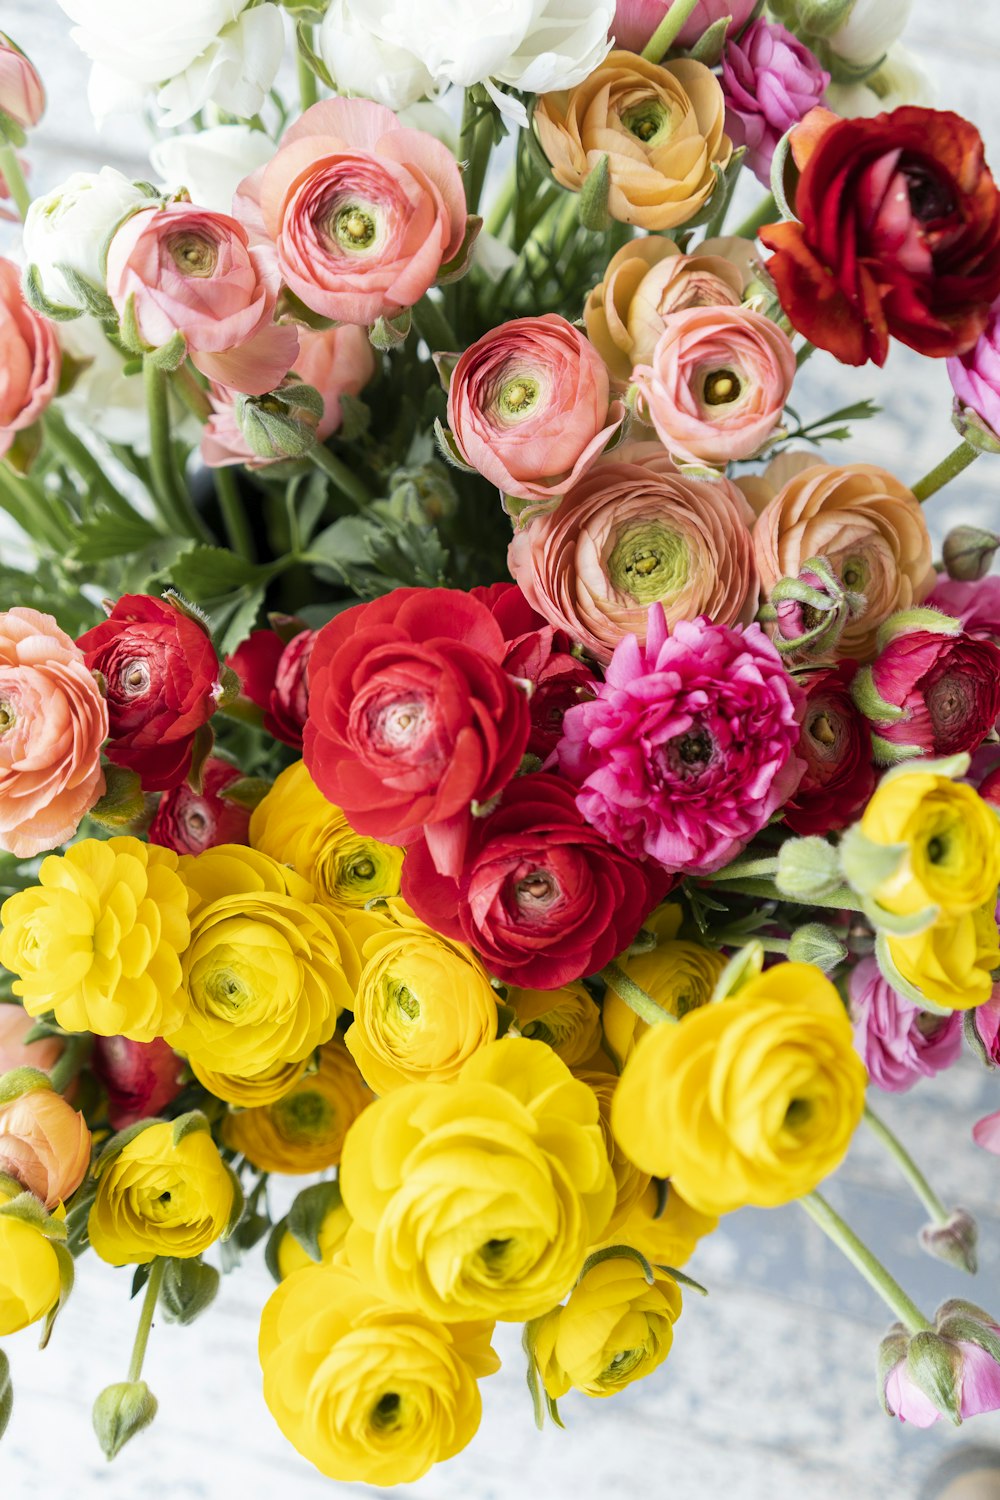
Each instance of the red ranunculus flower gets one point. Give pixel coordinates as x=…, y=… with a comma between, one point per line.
x=141, y=1077
x=543, y=898
x=274, y=675
x=947, y=685
x=899, y=236
x=836, y=745
x=162, y=677
x=188, y=821
x=412, y=717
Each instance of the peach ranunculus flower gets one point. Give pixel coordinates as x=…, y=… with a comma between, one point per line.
x=866, y=524
x=44, y=1144
x=661, y=128
x=187, y=270
x=717, y=383
x=635, y=531
x=646, y=280
x=15, y=1023
x=22, y=93
x=53, y=721
x=29, y=357
x=363, y=213
x=529, y=406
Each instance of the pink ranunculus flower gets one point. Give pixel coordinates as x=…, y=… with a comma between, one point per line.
x=689, y=747
x=964, y=1377
x=717, y=384
x=44, y=1144
x=986, y=1018
x=187, y=270
x=29, y=357
x=53, y=721
x=898, y=1043
x=977, y=605
x=946, y=683
x=362, y=212
x=634, y=531
x=771, y=81
x=975, y=375
x=15, y=1023
x=529, y=406
x=636, y=20
x=22, y=94
x=141, y=1078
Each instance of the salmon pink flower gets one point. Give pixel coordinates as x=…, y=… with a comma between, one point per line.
x=44, y=1144
x=898, y=1043
x=529, y=406
x=363, y=213
x=717, y=383
x=689, y=747
x=29, y=356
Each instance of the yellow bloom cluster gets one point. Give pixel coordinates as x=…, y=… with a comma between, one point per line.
x=679, y=975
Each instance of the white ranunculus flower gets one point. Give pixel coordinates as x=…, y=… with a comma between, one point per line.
x=870, y=30
x=900, y=80
x=211, y=163
x=103, y=398
x=234, y=72
x=148, y=41
x=360, y=63
x=72, y=225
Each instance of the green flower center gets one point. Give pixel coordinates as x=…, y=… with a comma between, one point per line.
x=721, y=387
x=797, y=1113
x=854, y=572
x=518, y=396
x=305, y=1115
x=193, y=254
x=937, y=849
x=227, y=992
x=362, y=869
x=354, y=227
x=649, y=562
x=403, y=999
x=650, y=122
x=387, y=1413
x=494, y=1255
x=623, y=1363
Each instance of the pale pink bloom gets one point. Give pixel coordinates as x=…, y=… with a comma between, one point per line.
x=898, y=1043
x=30, y=359
x=986, y=1132
x=53, y=721
x=529, y=406
x=717, y=384
x=636, y=20
x=632, y=532
x=362, y=212
x=22, y=95
x=44, y=1144
x=977, y=1381
x=187, y=270
x=15, y=1023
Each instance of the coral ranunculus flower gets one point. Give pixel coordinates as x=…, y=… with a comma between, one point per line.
x=899, y=237
x=44, y=1144
x=30, y=357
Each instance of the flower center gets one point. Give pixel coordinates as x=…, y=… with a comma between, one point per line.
x=195, y=821
x=134, y=678
x=694, y=749
x=536, y=891
x=493, y=1255
x=937, y=849
x=518, y=396
x=8, y=717
x=854, y=573
x=354, y=227
x=622, y=1364
x=399, y=725
x=721, y=387
x=305, y=1114
x=948, y=702
x=649, y=562
x=822, y=730
x=387, y=1412
x=797, y=1113
x=362, y=869
x=930, y=196
x=403, y=999
x=649, y=122
x=193, y=254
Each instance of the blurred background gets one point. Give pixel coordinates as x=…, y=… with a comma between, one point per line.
x=770, y=1389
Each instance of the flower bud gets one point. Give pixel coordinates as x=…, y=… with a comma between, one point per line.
x=44, y=1142
x=810, y=611
x=419, y=495
x=189, y=1286
x=22, y=96
x=970, y=424
x=968, y=552
x=807, y=868
x=954, y=1241
x=951, y=1371
x=121, y=1411
x=815, y=943
x=6, y=1393
x=281, y=424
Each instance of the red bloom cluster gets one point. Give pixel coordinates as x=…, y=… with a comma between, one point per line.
x=273, y=669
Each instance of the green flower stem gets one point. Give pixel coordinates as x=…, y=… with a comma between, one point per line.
x=342, y=477
x=156, y=1272
x=918, y=1182
x=842, y=899
x=958, y=459
x=504, y=202
x=14, y=178
x=36, y=514
x=74, y=1055
x=474, y=147
x=169, y=492
x=862, y=1259
x=635, y=997
x=234, y=516
x=665, y=34
x=308, y=89
x=765, y=213
x=568, y=223
x=806, y=351
x=76, y=455
x=722, y=938
x=434, y=328
x=742, y=868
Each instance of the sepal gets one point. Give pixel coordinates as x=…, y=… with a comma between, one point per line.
x=307, y=1214
x=188, y=1288
x=955, y=1242
x=388, y=333
x=121, y=1411
x=20, y=1081
x=593, y=205
x=807, y=868
x=817, y=944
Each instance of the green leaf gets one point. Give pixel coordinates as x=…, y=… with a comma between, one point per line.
x=6, y=1393
x=212, y=572
x=235, y=618
x=347, y=541
x=106, y=535
x=248, y=791
x=123, y=799
x=308, y=1213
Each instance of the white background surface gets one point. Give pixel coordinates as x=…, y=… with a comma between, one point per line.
x=769, y=1393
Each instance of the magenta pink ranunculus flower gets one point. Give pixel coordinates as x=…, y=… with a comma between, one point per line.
x=771, y=81
x=186, y=270
x=976, y=1377
x=529, y=406
x=947, y=686
x=898, y=1043
x=362, y=213
x=22, y=95
x=986, y=1018
x=975, y=375
x=717, y=384
x=690, y=745
x=976, y=605
x=636, y=20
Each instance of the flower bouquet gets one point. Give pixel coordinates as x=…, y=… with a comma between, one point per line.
x=464, y=737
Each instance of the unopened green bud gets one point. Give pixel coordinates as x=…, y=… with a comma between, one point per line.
x=121, y=1411
x=815, y=943
x=419, y=495
x=974, y=430
x=189, y=1286
x=807, y=868
x=123, y=801
x=954, y=1241
x=968, y=552
x=281, y=424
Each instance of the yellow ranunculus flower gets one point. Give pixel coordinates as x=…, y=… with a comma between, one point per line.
x=365, y=1391
x=296, y=825
x=424, y=1005
x=630, y=1183
x=254, y=1090
x=751, y=1101
x=669, y=1240
x=292, y=1257
x=567, y=1019
x=161, y=1196
x=30, y=1283
x=952, y=840
x=950, y=963
x=304, y=1130
x=479, y=1199
x=614, y=1329
x=99, y=939
x=679, y=975
x=268, y=969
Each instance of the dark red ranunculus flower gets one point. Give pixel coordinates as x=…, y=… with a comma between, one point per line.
x=273, y=674
x=508, y=606
x=542, y=898
x=162, y=677
x=188, y=821
x=836, y=745
x=947, y=685
x=141, y=1078
x=899, y=236
x=412, y=717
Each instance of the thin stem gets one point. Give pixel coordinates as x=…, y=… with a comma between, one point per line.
x=433, y=327
x=918, y=1182
x=503, y=203
x=14, y=178
x=150, y=1300
x=634, y=996
x=345, y=480
x=765, y=213
x=805, y=352
x=958, y=459
x=666, y=32
x=234, y=516
x=862, y=1259
x=718, y=219
x=745, y=867
x=842, y=899
x=722, y=938
x=171, y=497
x=308, y=86
x=474, y=147
x=75, y=453
x=569, y=221
x=195, y=398
x=72, y=1059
